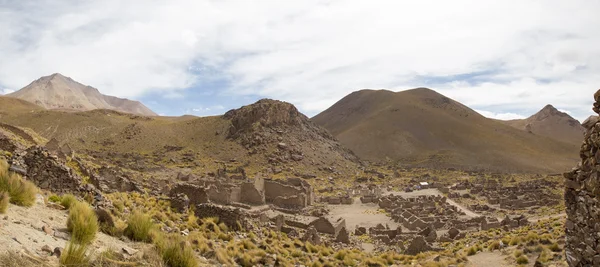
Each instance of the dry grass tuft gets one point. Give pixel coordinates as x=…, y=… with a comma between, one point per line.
x=21, y=192
x=4, y=199
x=82, y=223
x=74, y=255
x=68, y=200
x=139, y=227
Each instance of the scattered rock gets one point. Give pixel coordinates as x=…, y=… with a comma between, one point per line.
x=129, y=251
x=312, y=236
x=47, y=248
x=48, y=230
x=57, y=252
x=343, y=236
x=61, y=235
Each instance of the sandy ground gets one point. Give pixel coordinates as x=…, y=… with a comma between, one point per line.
x=488, y=259
x=359, y=214
x=21, y=230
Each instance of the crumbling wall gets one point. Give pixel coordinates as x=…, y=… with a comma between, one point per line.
x=251, y=195
x=196, y=194
x=112, y=180
x=47, y=173
x=291, y=202
x=234, y=218
x=274, y=189
x=220, y=196
x=581, y=198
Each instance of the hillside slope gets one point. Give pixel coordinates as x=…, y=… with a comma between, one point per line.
x=266, y=137
x=421, y=127
x=552, y=123
x=59, y=92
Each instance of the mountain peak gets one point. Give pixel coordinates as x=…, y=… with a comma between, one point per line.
x=57, y=91
x=548, y=111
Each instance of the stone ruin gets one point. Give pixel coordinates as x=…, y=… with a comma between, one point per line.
x=582, y=191
x=524, y=195
x=48, y=172
x=290, y=195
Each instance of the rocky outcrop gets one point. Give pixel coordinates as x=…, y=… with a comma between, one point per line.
x=267, y=122
x=582, y=192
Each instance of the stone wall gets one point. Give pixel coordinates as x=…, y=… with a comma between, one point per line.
x=219, y=196
x=112, y=180
x=581, y=198
x=251, y=195
x=234, y=218
x=274, y=189
x=196, y=194
x=47, y=173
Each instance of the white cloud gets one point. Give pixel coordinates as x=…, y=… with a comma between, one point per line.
x=5, y=91
x=500, y=116
x=312, y=52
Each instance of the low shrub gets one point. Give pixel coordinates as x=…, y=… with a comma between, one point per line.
x=21, y=192
x=494, y=245
x=522, y=259
x=54, y=199
x=68, y=200
x=82, y=223
x=175, y=253
x=554, y=247
x=139, y=227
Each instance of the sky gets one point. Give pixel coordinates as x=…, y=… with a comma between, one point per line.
x=504, y=59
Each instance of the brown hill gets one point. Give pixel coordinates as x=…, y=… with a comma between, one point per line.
x=266, y=137
x=551, y=123
x=421, y=127
x=59, y=92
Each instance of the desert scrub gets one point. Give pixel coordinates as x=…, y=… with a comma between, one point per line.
x=68, y=200
x=494, y=245
x=174, y=252
x=139, y=226
x=54, y=198
x=82, y=223
x=554, y=247
x=21, y=192
x=10, y=259
x=4, y=199
x=74, y=255
x=522, y=259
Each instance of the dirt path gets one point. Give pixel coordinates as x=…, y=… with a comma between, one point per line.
x=560, y=215
x=21, y=229
x=460, y=207
x=487, y=259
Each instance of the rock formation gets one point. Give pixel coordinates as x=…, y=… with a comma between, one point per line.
x=581, y=199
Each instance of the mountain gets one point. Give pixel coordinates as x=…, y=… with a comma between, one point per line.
x=421, y=127
x=551, y=123
x=268, y=137
x=59, y=92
